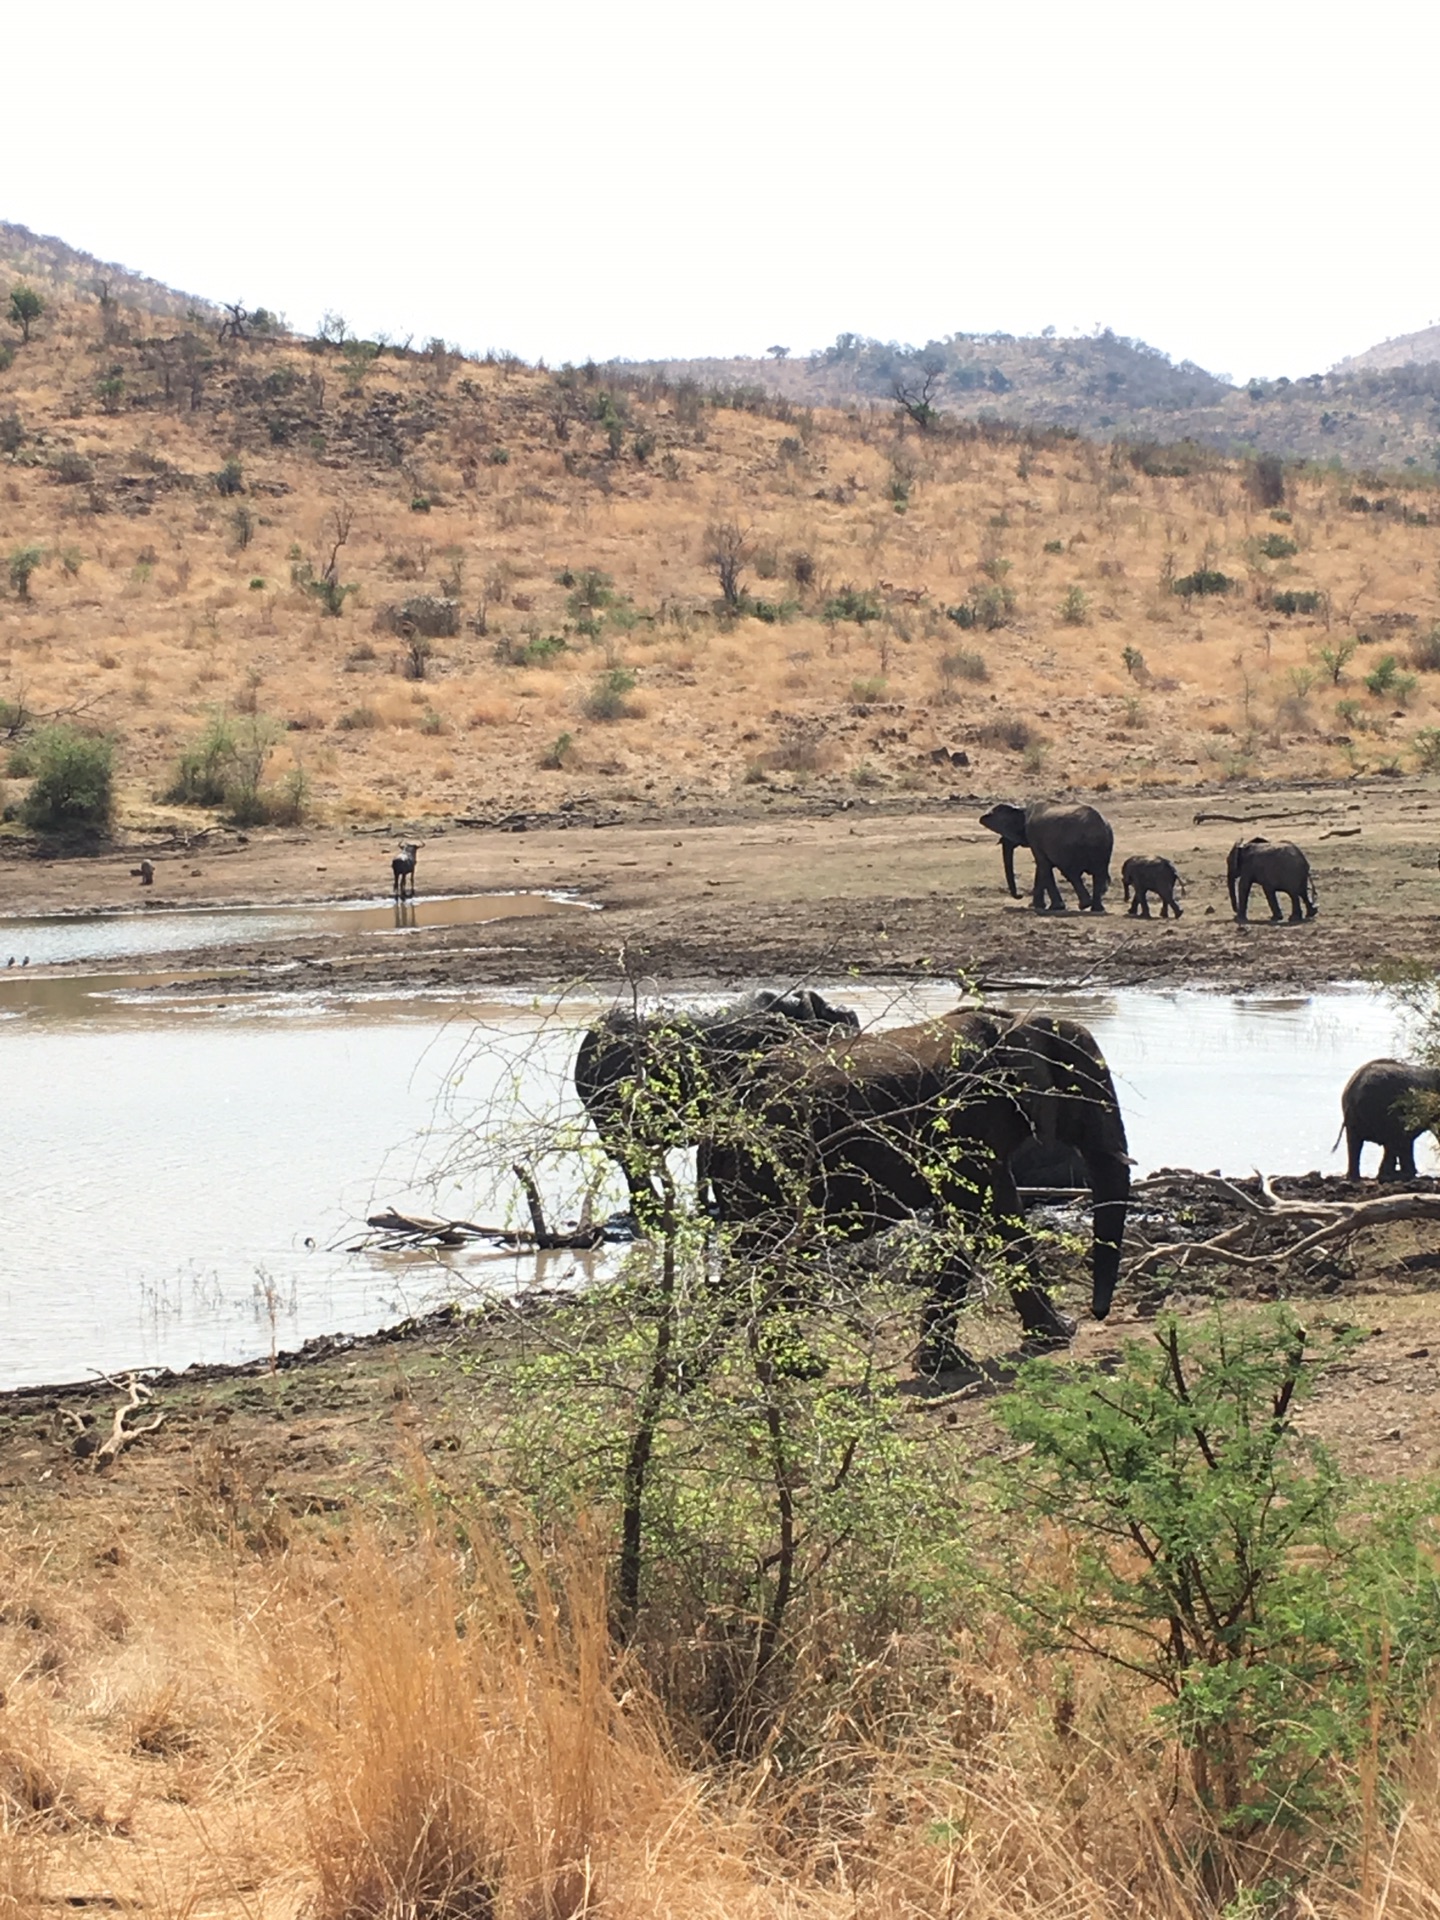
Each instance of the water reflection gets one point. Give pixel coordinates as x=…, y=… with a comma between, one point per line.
x=54, y=940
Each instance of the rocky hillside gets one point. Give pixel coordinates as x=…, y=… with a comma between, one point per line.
x=1420, y=349
x=58, y=271
x=407, y=586
x=1370, y=413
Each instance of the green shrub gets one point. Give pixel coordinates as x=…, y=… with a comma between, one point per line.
x=1054, y=546
x=23, y=562
x=1134, y=662
x=987, y=608
x=203, y=768
x=1383, y=675
x=358, y=720
x=557, y=755
x=532, y=651
x=230, y=480
x=1302, y=600
x=1425, y=651
x=850, y=604
x=873, y=687
x=1204, y=580
x=1278, y=546
x=1427, y=749
x=72, y=787
x=608, y=698
x=1075, y=607
x=1336, y=657
x=1291, y=1621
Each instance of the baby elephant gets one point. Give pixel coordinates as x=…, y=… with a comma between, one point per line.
x=1144, y=874
x=1391, y=1103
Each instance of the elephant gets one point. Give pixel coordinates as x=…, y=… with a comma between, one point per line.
x=1392, y=1103
x=1076, y=839
x=1276, y=867
x=647, y=1081
x=1144, y=874
x=863, y=1132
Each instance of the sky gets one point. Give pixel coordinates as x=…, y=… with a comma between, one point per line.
x=1250, y=186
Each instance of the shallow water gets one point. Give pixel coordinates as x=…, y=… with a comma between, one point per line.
x=181, y=1177
x=52, y=940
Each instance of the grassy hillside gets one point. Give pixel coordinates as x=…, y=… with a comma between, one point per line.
x=1378, y=410
x=58, y=271
x=237, y=526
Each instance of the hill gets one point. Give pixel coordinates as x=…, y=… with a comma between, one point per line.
x=1376, y=414
x=1420, y=349
x=454, y=588
x=62, y=272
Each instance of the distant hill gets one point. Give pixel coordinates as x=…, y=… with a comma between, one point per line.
x=51, y=267
x=1103, y=385
x=1406, y=350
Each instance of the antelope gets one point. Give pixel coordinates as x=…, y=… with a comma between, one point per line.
x=403, y=868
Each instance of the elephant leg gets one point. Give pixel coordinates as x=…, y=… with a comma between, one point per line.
x=1039, y=1316
x=1144, y=906
x=1354, y=1147
x=1296, y=914
x=1242, y=899
x=1046, y=896
x=1084, y=899
x=1405, y=1157
x=1389, y=1162
x=1134, y=907
x=1272, y=900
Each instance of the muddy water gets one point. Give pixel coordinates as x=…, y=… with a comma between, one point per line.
x=182, y=1178
x=61, y=938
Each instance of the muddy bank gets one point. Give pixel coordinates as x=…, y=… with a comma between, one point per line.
x=701, y=900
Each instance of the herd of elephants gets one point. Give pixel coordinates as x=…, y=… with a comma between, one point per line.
x=799, y=1118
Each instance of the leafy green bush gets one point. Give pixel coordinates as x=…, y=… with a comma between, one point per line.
x=850, y=604
x=358, y=719
x=1427, y=749
x=1301, y=600
x=556, y=756
x=1204, y=580
x=230, y=480
x=1278, y=546
x=1425, y=651
x=226, y=768
x=1291, y=1621
x=873, y=687
x=203, y=768
x=1383, y=675
x=1075, y=607
x=1009, y=731
x=987, y=608
x=531, y=651
x=1054, y=546
x=23, y=562
x=72, y=787
x=608, y=698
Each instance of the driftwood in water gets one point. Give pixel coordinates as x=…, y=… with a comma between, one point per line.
x=422, y=1230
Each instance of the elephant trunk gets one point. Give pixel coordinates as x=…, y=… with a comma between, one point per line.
x=1110, y=1184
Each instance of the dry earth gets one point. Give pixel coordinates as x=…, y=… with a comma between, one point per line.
x=782, y=890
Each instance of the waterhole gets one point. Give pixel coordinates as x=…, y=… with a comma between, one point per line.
x=182, y=1177
x=54, y=940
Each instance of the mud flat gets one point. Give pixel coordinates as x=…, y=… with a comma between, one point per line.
x=784, y=891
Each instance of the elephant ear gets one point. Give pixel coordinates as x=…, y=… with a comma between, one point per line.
x=1022, y=1064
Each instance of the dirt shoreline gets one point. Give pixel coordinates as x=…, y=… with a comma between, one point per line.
x=702, y=900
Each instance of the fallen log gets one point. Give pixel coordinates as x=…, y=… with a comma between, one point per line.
x=120, y=1435
x=1341, y=1221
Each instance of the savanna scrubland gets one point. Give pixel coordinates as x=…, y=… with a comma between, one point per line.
x=398, y=1631
x=661, y=595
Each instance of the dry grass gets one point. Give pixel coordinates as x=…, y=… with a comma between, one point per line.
x=362, y=1725
x=148, y=610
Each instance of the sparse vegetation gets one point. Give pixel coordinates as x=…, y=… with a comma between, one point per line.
x=609, y=696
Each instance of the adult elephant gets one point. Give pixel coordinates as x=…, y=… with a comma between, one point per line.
x=1076, y=839
x=1276, y=867
x=1391, y=1103
x=856, y=1134
x=649, y=1081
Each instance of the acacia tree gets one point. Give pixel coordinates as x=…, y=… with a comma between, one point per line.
x=26, y=307
x=914, y=393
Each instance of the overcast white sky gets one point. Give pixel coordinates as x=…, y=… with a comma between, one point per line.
x=1248, y=186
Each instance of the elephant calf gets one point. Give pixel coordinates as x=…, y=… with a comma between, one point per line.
x=1276, y=867
x=1391, y=1103
x=1144, y=874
